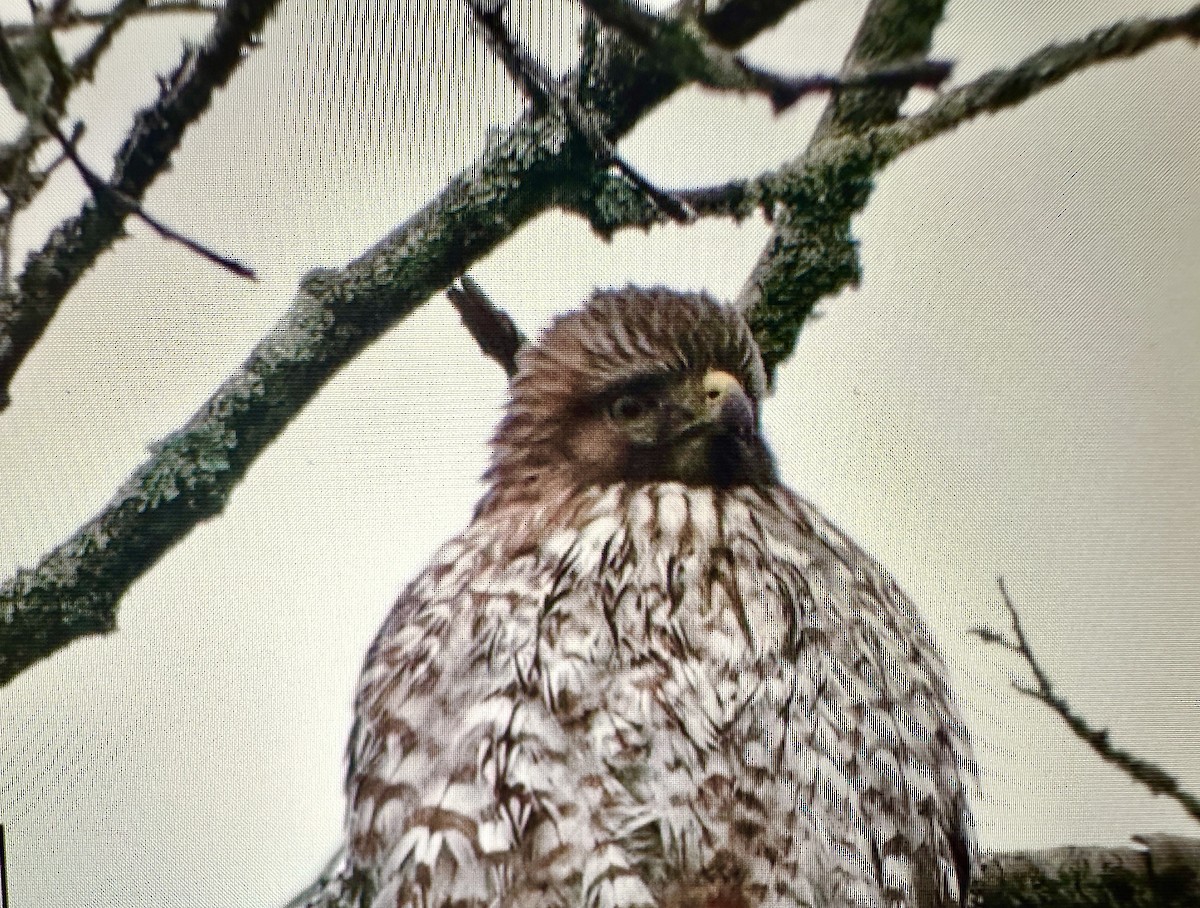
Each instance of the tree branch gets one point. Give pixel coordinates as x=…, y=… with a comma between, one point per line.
x=999, y=89
x=105, y=194
x=556, y=98
x=811, y=253
x=612, y=207
x=84, y=66
x=1163, y=872
x=73, y=246
x=1154, y=777
x=76, y=588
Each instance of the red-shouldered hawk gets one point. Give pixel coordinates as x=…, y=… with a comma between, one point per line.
x=649, y=674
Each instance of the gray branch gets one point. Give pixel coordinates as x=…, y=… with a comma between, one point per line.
x=812, y=254
x=813, y=197
x=75, y=590
x=558, y=98
x=1004, y=88
x=1163, y=871
x=75, y=18
x=680, y=37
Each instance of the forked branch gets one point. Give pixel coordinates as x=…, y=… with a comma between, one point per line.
x=1154, y=777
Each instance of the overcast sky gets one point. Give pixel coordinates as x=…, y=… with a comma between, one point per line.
x=1013, y=390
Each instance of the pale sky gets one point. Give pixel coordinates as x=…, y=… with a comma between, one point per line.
x=1013, y=390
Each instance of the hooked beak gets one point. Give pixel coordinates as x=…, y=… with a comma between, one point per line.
x=723, y=409
x=727, y=405
x=708, y=436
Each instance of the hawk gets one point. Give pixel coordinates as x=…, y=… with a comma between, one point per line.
x=648, y=673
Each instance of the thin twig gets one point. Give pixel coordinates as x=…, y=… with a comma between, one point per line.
x=103, y=193
x=1154, y=777
x=84, y=66
x=492, y=328
x=549, y=94
x=101, y=190
x=71, y=18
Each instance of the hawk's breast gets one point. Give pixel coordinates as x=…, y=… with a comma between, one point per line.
x=713, y=688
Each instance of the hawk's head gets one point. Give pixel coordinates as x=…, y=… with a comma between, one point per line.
x=639, y=385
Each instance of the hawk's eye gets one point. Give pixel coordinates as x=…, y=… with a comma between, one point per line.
x=628, y=407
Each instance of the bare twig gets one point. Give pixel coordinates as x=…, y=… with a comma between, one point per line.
x=23, y=96
x=73, y=246
x=105, y=193
x=84, y=66
x=492, y=328
x=1158, y=780
x=554, y=96
x=683, y=40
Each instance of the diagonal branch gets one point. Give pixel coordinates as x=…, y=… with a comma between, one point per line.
x=107, y=195
x=77, y=18
x=75, y=590
x=814, y=196
x=681, y=39
x=26, y=99
x=1154, y=777
x=72, y=248
x=999, y=89
x=115, y=19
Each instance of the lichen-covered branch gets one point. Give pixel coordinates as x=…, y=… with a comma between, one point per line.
x=1008, y=87
x=613, y=208
x=73, y=246
x=811, y=253
x=557, y=98
x=75, y=589
x=1158, y=780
